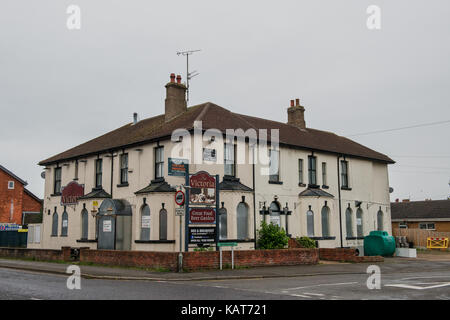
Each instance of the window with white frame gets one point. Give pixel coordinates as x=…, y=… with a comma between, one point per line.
x=403, y=225
x=229, y=159
x=159, y=162
x=324, y=173
x=10, y=185
x=300, y=171
x=124, y=168
x=274, y=165
x=312, y=170
x=427, y=226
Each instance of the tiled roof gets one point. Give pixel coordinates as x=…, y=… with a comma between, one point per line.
x=315, y=192
x=233, y=184
x=157, y=185
x=435, y=209
x=213, y=116
x=13, y=175
x=96, y=193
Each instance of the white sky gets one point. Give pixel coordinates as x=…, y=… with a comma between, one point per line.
x=59, y=88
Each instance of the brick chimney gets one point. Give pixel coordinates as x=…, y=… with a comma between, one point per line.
x=175, y=98
x=296, y=114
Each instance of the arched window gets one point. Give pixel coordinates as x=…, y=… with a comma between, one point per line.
x=359, y=223
x=242, y=221
x=274, y=210
x=163, y=224
x=145, y=222
x=223, y=223
x=84, y=224
x=55, y=224
x=349, y=222
x=325, y=221
x=64, y=223
x=380, y=220
x=310, y=223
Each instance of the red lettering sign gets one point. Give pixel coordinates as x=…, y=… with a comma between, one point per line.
x=202, y=216
x=202, y=180
x=71, y=193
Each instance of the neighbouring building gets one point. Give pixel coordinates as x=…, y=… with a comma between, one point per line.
x=16, y=202
x=314, y=183
x=432, y=215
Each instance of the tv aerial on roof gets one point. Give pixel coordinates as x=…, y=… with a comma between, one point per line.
x=189, y=75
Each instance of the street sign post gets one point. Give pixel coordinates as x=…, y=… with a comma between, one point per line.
x=227, y=244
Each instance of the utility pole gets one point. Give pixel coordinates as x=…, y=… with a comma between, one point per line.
x=189, y=75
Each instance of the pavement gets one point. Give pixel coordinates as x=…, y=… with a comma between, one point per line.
x=323, y=268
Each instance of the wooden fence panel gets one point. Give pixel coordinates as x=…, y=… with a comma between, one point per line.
x=419, y=236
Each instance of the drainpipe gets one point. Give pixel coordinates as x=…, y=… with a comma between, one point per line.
x=339, y=197
x=112, y=172
x=254, y=199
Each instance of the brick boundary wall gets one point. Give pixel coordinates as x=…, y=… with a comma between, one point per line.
x=250, y=258
x=37, y=254
x=147, y=259
x=201, y=260
x=346, y=255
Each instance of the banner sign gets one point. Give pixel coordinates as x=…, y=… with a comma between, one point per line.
x=9, y=227
x=202, y=216
x=178, y=167
x=202, y=235
x=71, y=193
x=203, y=189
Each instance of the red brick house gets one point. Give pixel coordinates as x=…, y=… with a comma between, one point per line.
x=15, y=200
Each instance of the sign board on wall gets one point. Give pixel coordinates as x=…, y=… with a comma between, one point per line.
x=178, y=167
x=203, y=189
x=209, y=155
x=202, y=235
x=202, y=216
x=71, y=193
x=107, y=226
x=145, y=222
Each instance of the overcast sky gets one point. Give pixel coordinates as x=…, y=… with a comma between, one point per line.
x=60, y=87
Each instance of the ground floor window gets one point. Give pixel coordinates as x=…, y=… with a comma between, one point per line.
x=275, y=214
x=163, y=224
x=359, y=223
x=84, y=224
x=242, y=221
x=223, y=230
x=380, y=220
x=310, y=223
x=325, y=221
x=64, y=223
x=55, y=223
x=145, y=222
x=349, y=222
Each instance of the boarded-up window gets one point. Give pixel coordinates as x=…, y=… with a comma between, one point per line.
x=84, y=224
x=37, y=234
x=310, y=223
x=145, y=223
x=242, y=221
x=64, y=223
x=163, y=224
x=55, y=224
x=380, y=220
x=223, y=228
x=274, y=210
x=325, y=222
x=349, y=222
x=359, y=223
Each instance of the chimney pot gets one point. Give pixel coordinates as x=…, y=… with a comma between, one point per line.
x=178, y=79
x=135, y=118
x=296, y=114
x=172, y=77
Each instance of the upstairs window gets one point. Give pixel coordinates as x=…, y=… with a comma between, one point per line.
x=344, y=174
x=274, y=166
x=76, y=171
x=312, y=170
x=300, y=171
x=57, y=181
x=159, y=162
x=11, y=185
x=229, y=159
x=98, y=173
x=324, y=174
x=124, y=168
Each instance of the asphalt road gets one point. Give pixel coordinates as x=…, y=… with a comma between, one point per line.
x=419, y=280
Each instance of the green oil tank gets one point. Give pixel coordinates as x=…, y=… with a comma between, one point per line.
x=379, y=243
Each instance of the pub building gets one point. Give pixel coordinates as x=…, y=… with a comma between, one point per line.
x=117, y=191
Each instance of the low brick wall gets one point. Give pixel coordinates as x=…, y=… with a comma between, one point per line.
x=345, y=255
x=250, y=258
x=147, y=259
x=37, y=254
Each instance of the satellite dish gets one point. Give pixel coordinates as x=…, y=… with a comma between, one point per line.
x=43, y=174
x=391, y=189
